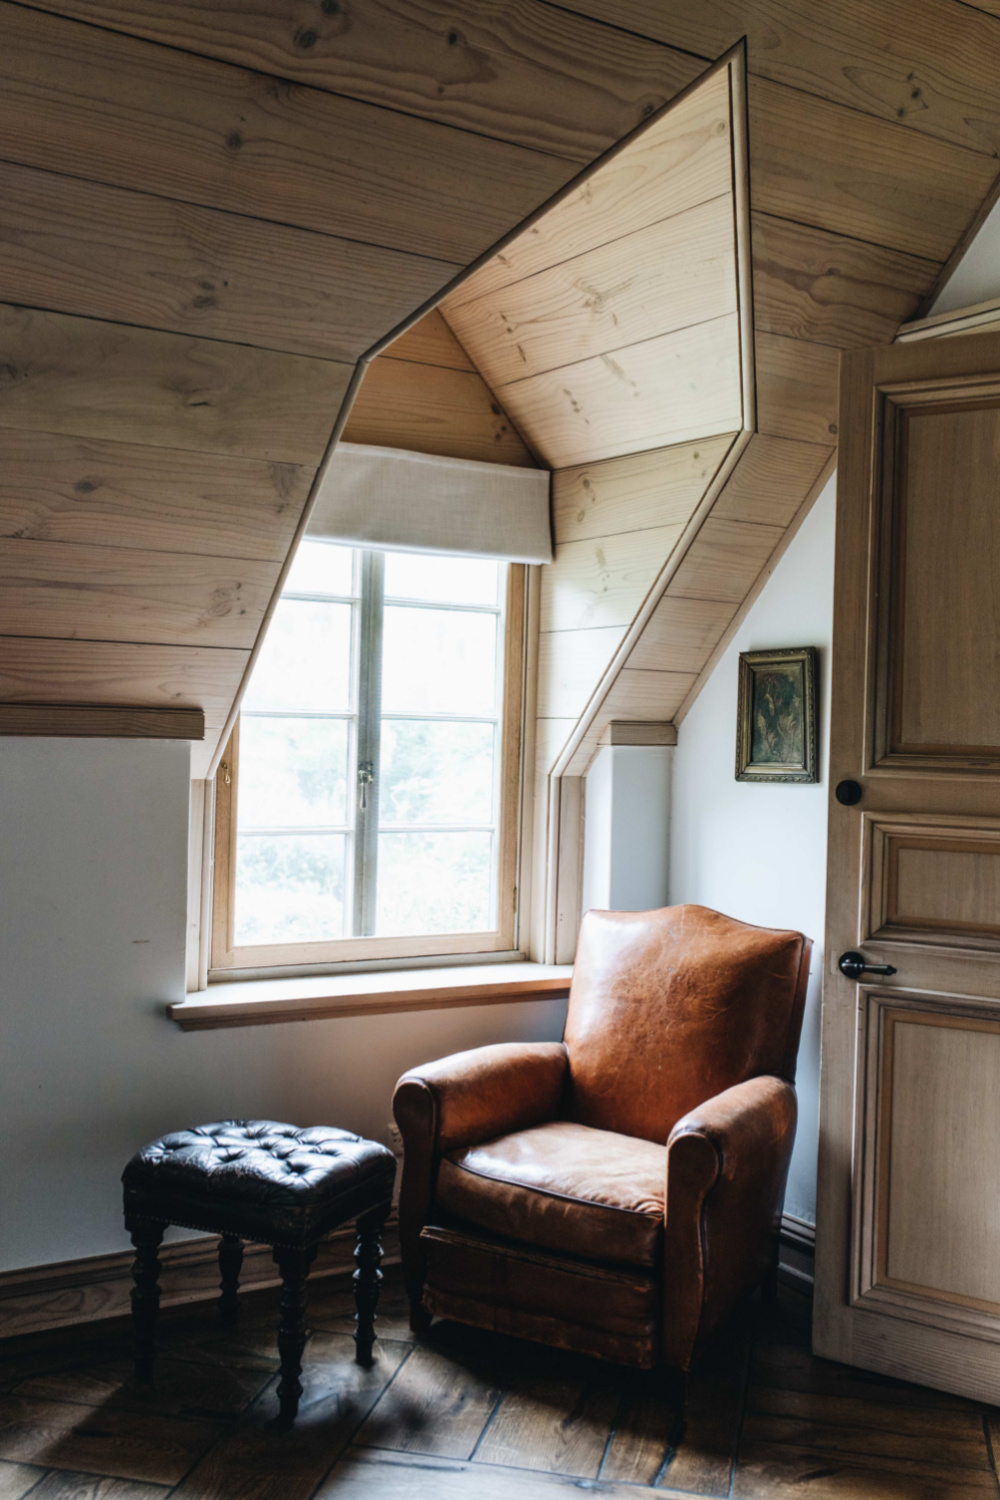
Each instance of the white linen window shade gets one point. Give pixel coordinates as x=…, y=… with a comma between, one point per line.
x=391, y=499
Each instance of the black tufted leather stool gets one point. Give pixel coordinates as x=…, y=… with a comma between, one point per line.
x=274, y=1184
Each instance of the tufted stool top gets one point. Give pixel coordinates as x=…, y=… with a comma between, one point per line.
x=259, y=1179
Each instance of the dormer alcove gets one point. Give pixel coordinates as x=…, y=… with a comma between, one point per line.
x=611, y=341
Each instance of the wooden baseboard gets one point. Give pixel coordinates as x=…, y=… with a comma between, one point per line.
x=798, y=1252
x=85, y=1291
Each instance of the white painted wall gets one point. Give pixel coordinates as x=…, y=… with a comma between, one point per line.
x=626, y=844
x=759, y=852
x=93, y=873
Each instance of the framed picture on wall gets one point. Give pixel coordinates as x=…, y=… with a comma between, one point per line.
x=776, y=716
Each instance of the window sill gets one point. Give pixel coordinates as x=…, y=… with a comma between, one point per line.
x=266, y=1002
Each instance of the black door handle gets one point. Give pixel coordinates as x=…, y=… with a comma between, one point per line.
x=852, y=966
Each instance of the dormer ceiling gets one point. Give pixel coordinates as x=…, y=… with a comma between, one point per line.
x=207, y=222
x=611, y=325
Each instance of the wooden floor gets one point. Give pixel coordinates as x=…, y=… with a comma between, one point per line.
x=468, y=1414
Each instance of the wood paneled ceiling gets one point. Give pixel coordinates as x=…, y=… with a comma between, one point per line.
x=209, y=211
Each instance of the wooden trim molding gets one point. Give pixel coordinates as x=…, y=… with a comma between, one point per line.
x=89, y=721
x=85, y=1291
x=978, y=317
x=266, y=1002
x=797, y=1254
x=626, y=732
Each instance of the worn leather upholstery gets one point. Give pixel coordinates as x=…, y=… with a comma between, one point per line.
x=610, y=1311
x=529, y=1202
x=258, y=1178
x=563, y=1187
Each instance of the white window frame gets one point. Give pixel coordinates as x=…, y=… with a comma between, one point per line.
x=227, y=960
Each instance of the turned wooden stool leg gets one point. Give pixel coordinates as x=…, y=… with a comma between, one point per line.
x=230, y=1265
x=294, y=1267
x=145, y=1294
x=367, y=1279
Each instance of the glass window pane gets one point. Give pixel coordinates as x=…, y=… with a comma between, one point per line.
x=305, y=662
x=435, y=661
x=434, y=882
x=293, y=772
x=436, y=772
x=445, y=580
x=321, y=568
x=290, y=887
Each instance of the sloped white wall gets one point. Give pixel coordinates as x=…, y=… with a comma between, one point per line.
x=93, y=888
x=759, y=852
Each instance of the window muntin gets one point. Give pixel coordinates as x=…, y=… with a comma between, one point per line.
x=394, y=661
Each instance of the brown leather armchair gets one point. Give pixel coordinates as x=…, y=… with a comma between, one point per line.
x=617, y=1192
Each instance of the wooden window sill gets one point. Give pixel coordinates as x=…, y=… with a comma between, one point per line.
x=264, y=1002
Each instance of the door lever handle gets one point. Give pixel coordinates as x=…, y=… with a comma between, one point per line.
x=852, y=966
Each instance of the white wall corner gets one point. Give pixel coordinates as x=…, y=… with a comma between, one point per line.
x=626, y=839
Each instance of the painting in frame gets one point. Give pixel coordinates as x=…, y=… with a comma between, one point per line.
x=776, y=737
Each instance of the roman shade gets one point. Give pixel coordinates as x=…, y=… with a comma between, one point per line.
x=392, y=499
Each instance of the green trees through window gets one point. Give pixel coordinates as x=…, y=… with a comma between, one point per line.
x=369, y=757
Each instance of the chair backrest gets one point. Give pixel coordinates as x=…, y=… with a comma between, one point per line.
x=668, y=1008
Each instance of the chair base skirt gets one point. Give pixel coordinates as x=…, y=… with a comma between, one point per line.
x=534, y=1295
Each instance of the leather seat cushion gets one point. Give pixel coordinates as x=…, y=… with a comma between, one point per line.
x=563, y=1187
x=261, y=1176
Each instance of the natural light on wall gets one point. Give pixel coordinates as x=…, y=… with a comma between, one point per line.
x=370, y=750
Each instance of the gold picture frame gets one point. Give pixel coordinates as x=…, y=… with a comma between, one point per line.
x=776, y=716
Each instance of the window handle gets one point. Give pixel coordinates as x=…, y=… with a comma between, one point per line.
x=366, y=775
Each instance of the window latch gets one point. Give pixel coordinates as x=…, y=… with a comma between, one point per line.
x=366, y=775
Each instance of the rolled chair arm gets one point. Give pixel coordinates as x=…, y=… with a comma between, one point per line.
x=727, y=1164
x=459, y=1101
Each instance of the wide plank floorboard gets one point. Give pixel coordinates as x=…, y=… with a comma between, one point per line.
x=440, y=1401
x=463, y=1414
x=120, y=1444
x=17, y=1479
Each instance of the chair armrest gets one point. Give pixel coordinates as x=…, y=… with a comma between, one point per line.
x=459, y=1101
x=727, y=1164
x=475, y=1095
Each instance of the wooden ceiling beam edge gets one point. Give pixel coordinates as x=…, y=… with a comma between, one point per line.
x=638, y=732
x=740, y=136
x=978, y=315
x=94, y=721
x=757, y=587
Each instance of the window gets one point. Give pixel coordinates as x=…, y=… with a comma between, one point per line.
x=366, y=805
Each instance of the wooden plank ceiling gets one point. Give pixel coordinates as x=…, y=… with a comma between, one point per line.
x=611, y=330
x=210, y=210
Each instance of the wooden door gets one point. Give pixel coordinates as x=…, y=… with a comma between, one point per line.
x=908, y=1234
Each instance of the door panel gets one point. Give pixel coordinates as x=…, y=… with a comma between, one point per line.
x=940, y=1228
x=908, y=1235
x=936, y=881
x=937, y=508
